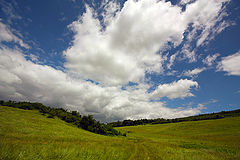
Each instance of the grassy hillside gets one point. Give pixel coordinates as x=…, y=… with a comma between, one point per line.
x=26, y=134
x=85, y=122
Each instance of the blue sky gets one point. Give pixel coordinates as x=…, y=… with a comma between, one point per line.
x=122, y=59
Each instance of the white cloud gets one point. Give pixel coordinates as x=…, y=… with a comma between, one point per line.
x=206, y=19
x=110, y=8
x=179, y=89
x=193, y=72
x=210, y=59
x=126, y=48
x=91, y=57
x=34, y=82
x=7, y=35
x=230, y=64
x=34, y=57
x=189, y=53
x=172, y=73
x=171, y=60
x=184, y=2
x=24, y=80
x=205, y=16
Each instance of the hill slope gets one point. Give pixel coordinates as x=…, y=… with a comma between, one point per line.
x=26, y=134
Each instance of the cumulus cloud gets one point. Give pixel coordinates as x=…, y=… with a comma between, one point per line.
x=193, y=72
x=28, y=81
x=25, y=80
x=210, y=59
x=132, y=38
x=230, y=64
x=179, y=89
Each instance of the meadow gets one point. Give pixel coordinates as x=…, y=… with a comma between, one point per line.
x=27, y=134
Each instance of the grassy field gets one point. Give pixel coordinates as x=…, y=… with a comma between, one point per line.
x=26, y=134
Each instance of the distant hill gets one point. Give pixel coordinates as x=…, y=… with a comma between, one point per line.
x=28, y=135
x=210, y=116
x=84, y=122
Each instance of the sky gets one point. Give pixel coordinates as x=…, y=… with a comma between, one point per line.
x=122, y=59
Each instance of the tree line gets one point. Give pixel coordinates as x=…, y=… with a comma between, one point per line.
x=210, y=116
x=73, y=117
x=90, y=124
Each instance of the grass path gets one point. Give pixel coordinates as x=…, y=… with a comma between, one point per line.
x=29, y=135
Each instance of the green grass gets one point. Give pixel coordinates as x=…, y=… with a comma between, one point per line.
x=26, y=134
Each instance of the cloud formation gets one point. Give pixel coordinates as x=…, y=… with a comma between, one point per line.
x=230, y=64
x=7, y=36
x=130, y=42
x=179, y=89
x=206, y=20
x=25, y=80
x=123, y=47
x=210, y=59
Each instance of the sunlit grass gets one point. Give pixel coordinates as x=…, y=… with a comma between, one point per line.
x=29, y=135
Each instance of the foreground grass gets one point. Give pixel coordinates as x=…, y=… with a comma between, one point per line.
x=27, y=134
